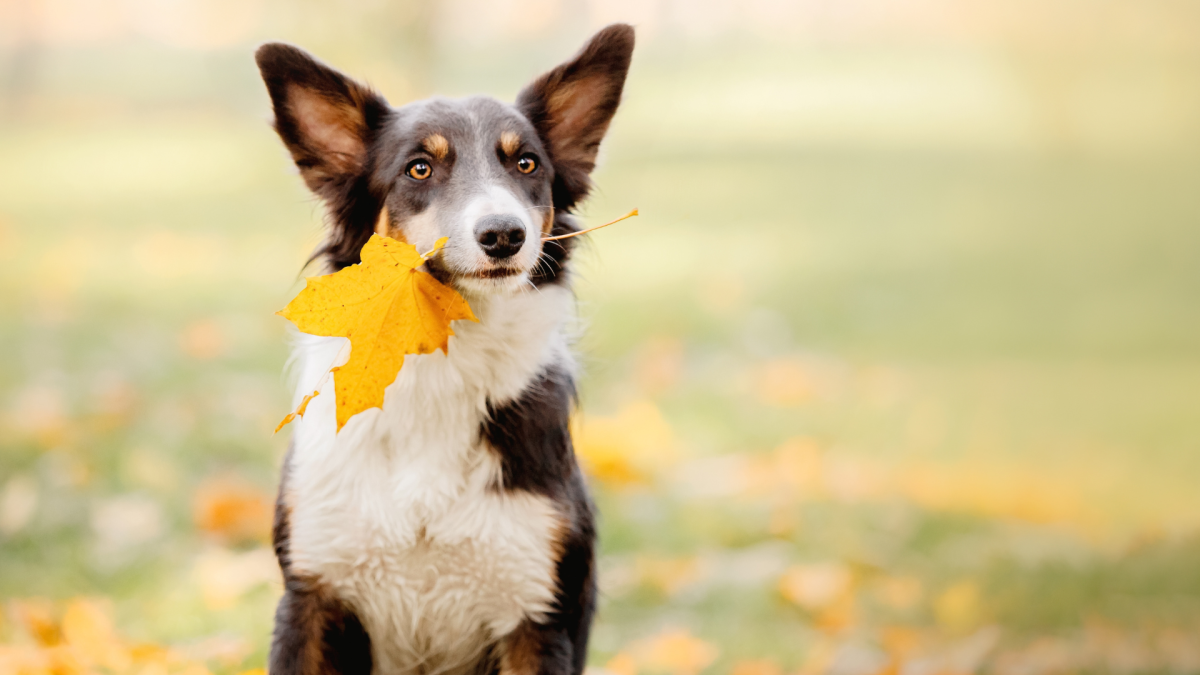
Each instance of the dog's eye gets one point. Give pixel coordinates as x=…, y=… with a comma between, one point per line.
x=419, y=169
x=527, y=164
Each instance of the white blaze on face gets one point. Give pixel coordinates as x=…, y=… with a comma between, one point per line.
x=497, y=201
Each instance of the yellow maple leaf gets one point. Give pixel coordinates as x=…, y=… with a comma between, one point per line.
x=388, y=308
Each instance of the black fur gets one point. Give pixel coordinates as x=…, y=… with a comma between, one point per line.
x=317, y=634
x=532, y=436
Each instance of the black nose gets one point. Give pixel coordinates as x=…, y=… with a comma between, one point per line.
x=500, y=236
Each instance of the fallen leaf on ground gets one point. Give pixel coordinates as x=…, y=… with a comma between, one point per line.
x=36, y=615
x=233, y=509
x=88, y=629
x=757, y=667
x=224, y=575
x=957, y=608
x=622, y=664
x=387, y=308
x=85, y=642
x=674, y=651
x=669, y=575
x=816, y=586
x=630, y=447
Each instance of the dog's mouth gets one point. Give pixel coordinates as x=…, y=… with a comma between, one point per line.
x=496, y=273
x=452, y=277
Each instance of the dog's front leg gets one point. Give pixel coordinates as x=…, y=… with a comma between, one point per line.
x=316, y=634
x=535, y=649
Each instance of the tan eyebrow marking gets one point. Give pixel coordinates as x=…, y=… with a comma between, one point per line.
x=436, y=145
x=383, y=226
x=510, y=142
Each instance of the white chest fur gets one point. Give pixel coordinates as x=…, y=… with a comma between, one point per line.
x=398, y=513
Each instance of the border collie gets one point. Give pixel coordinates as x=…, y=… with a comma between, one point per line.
x=449, y=532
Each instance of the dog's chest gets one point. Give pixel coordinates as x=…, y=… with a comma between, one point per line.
x=401, y=513
x=434, y=571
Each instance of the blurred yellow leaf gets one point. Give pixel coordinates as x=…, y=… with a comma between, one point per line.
x=675, y=651
x=784, y=521
x=36, y=615
x=957, y=607
x=793, y=469
x=783, y=382
x=824, y=589
x=898, y=593
x=837, y=616
x=659, y=364
x=816, y=586
x=88, y=629
x=629, y=447
x=233, y=510
x=668, y=575
x=41, y=414
x=23, y=660
x=147, y=653
x=387, y=308
x=997, y=491
x=224, y=576
x=757, y=667
x=820, y=656
x=622, y=664
x=203, y=340
x=900, y=642
x=85, y=642
x=798, y=463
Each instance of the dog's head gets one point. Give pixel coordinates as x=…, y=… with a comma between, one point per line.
x=492, y=177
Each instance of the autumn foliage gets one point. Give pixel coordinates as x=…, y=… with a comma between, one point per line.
x=388, y=308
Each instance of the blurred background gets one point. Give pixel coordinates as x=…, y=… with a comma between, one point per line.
x=897, y=373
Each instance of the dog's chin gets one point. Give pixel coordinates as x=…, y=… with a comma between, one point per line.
x=494, y=281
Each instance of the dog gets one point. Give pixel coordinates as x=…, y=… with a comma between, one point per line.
x=449, y=532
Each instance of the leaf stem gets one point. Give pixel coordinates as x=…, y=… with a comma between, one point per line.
x=591, y=229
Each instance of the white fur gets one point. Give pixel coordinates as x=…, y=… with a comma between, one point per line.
x=492, y=200
x=395, y=512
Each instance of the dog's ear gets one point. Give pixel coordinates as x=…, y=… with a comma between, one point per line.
x=325, y=119
x=572, y=105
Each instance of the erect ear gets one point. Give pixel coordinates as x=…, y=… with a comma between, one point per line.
x=325, y=119
x=572, y=105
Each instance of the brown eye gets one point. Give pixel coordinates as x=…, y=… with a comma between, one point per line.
x=419, y=170
x=527, y=164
